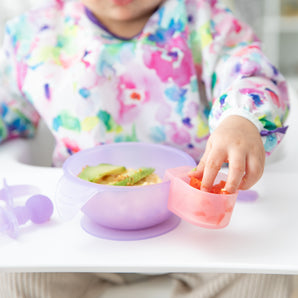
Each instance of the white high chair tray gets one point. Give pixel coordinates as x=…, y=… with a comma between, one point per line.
x=261, y=237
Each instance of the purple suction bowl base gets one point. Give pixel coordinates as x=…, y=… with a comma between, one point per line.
x=127, y=235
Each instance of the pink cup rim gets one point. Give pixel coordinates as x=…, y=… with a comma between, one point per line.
x=184, y=176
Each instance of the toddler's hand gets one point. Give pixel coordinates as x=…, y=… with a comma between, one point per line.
x=236, y=141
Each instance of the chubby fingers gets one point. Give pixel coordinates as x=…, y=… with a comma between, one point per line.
x=239, y=174
x=198, y=172
x=210, y=165
x=237, y=168
x=254, y=171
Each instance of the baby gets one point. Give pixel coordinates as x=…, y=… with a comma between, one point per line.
x=182, y=73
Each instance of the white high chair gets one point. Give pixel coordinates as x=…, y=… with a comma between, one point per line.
x=261, y=237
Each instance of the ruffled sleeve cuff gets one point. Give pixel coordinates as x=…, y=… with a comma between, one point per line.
x=270, y=138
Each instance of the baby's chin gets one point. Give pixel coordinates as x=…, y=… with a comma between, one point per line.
x=108, y=10
x=123, y=10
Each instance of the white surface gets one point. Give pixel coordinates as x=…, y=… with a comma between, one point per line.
x=262, y=236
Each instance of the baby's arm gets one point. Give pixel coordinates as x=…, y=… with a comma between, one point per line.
x=249, y=102
x=18, y=118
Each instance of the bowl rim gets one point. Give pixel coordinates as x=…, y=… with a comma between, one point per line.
x=102, y=187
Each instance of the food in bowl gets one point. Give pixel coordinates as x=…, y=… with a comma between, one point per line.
x=119, y=175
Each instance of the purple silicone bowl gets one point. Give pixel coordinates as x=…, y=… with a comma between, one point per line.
x=119, y=207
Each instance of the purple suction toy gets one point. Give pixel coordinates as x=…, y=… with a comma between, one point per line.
x=247, y=195
x=38, y=208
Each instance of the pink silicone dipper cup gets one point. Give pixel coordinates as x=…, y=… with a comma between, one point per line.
x=200, y=208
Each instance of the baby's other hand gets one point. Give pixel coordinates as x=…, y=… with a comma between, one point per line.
x=236, y=141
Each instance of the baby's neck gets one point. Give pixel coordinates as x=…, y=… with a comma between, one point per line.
x=124, y=29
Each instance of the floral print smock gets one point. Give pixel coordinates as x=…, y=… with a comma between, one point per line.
x=192, y=65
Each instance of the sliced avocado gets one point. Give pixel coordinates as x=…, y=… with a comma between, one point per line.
x=94, y=173
x=133, y=177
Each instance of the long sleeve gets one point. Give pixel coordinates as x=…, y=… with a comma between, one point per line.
x=238, y=78
x=18, y=118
